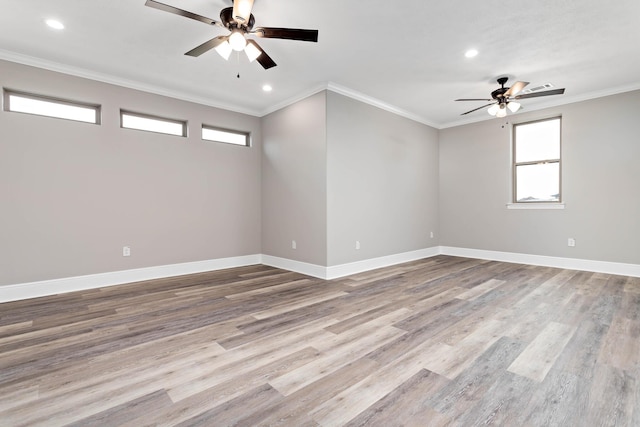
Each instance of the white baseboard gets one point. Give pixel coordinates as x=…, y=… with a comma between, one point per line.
x=312, y=270
x=342, y=270
x=93, y=281
x=618, y=268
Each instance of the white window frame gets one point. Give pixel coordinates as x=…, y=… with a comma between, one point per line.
x=232, y=135
x=9, y=93
x=515, y=204
x=183, y=123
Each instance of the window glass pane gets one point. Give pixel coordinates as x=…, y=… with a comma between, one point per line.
x=219, y=135
x=132, y=121
x=538, y=183
x=537, y=141
x=60, y=110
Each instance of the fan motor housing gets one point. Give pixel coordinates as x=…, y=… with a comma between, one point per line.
x=499, y=93
x=226, y=16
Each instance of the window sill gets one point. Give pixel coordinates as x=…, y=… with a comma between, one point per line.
x=535, y=205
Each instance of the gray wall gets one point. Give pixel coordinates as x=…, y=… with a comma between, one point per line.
x=336, y=170
x=73, y=194
x=294, y=181
x=332, y=170
x=382, y=174
x=600, y=179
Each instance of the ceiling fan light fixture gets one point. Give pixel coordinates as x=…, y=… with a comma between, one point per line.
x=252, y=52
x=224, y=49
x=239, y=21
x=513, y=106
x=504, y=98
x=237, y=41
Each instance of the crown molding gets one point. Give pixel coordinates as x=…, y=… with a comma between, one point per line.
x=334, y=87
x=342, y=90
x=358, y=96
x=297, y=98
x=110, y=79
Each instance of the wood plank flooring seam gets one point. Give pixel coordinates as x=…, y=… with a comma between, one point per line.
x=444, y=341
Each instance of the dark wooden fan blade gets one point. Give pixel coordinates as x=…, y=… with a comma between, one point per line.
x=207, y=46
x=515, y=88
x=476, y=109
x=474, y=99
x=264, y=59
x=287, y=33
x=537, y=94
x=171, y=9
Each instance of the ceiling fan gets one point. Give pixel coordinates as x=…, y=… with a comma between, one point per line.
x=505, y=97
x=239, y=21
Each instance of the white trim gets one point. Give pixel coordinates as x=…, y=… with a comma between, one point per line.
x=358, y=96
x=131, y=84
x=306, y=268
x=118, y=81
x=93, y=281
x=330, y=86
x=532, y=205
x=343, y=270
x=290, y=101
x=546, y=261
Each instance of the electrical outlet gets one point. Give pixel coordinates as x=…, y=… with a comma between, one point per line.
x=294, y=245
x=126, y=251
x=571, y=242
x=431, y=234
x=357, y=244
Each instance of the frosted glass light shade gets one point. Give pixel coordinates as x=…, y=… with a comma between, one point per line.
x=502, y=111
x=493, y=109
x=237, y=41
x=252, y=52
x=224, y=49
x=513, y=106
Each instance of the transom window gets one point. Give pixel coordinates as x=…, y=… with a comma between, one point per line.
x=139, y=121
x=40, y=105
x=536, y=161
x=227, y=136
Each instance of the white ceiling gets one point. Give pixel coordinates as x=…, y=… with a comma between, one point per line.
x=406, y=56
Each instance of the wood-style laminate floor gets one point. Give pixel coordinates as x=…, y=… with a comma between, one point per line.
x=443, y=341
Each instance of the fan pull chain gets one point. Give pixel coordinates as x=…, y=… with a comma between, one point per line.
x=238, y=63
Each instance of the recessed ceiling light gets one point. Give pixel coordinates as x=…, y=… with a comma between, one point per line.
x=471, y=53
x=267, y=88
x=56, y=25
